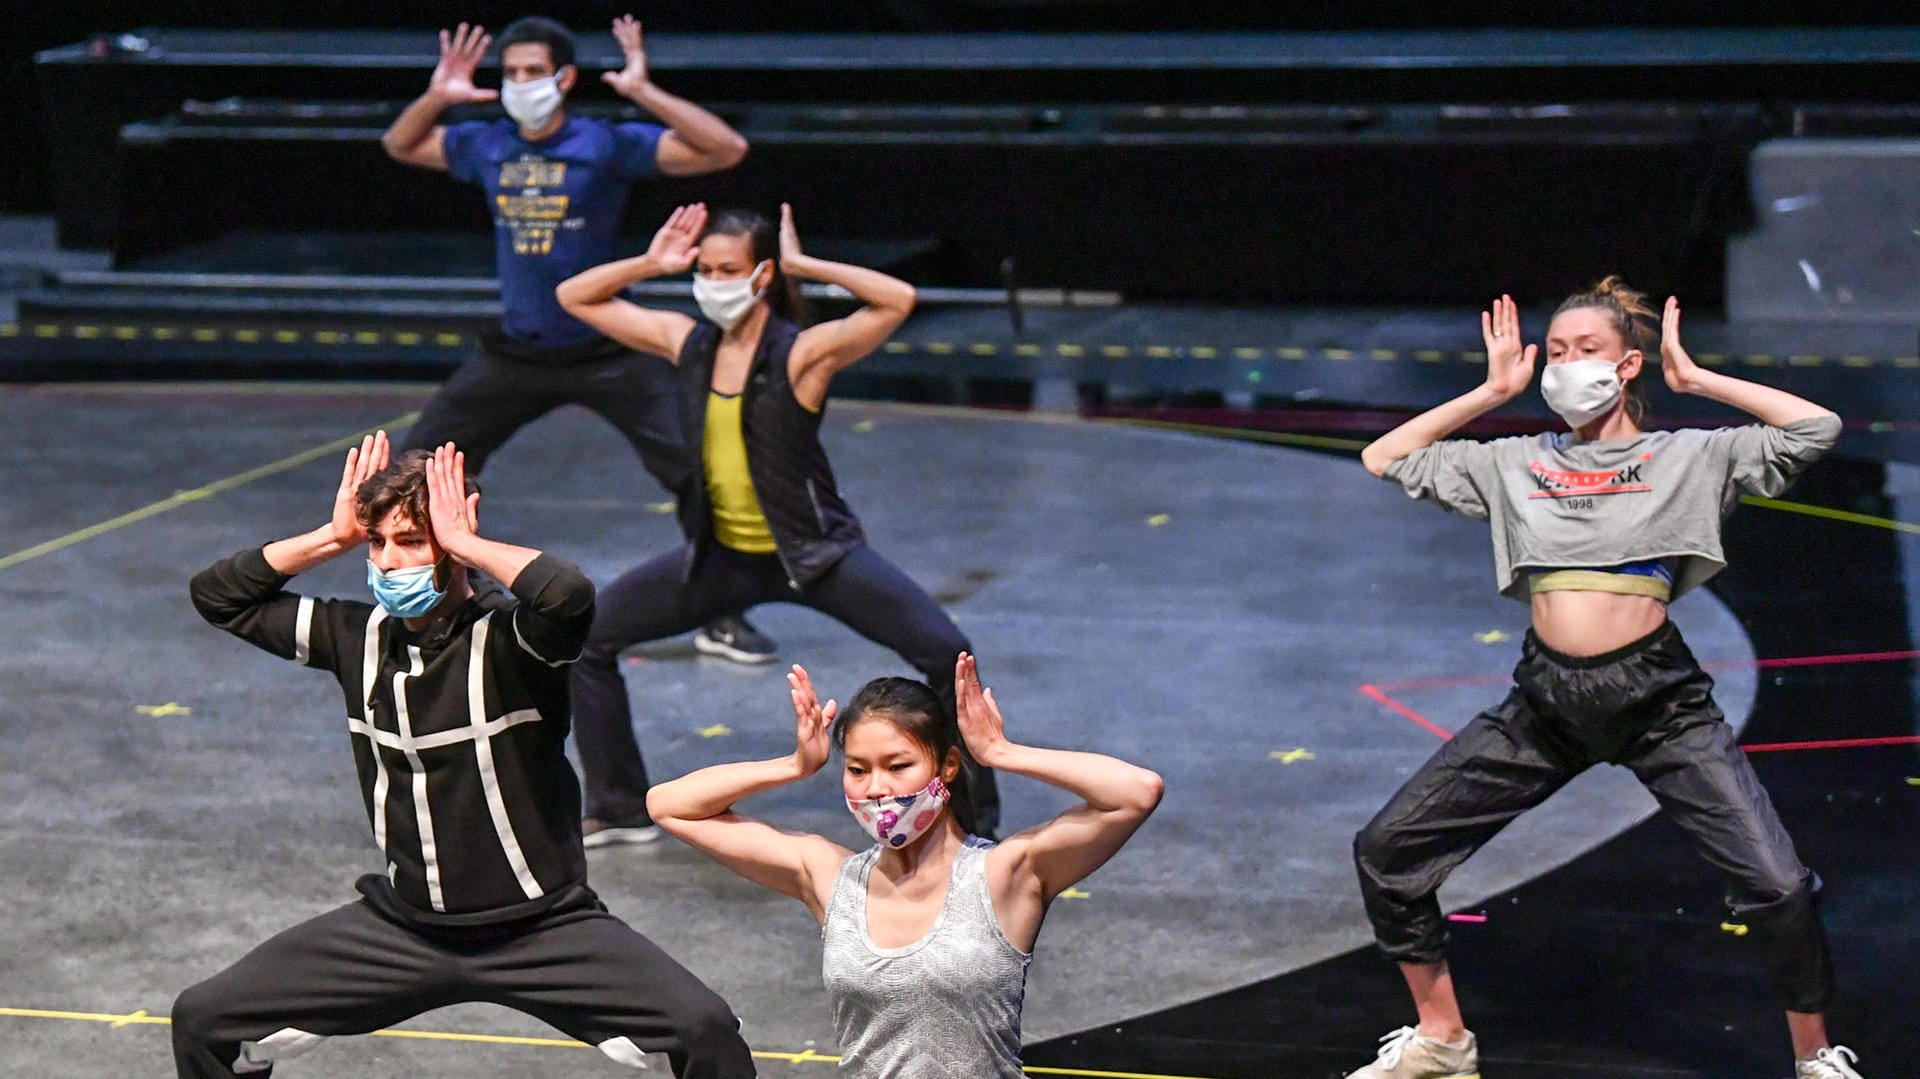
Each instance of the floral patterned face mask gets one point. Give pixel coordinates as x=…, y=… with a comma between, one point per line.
x=896, y=822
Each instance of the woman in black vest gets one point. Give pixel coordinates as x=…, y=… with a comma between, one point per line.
x=767, y=520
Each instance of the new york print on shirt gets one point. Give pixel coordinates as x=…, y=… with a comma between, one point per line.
x=1562, y=483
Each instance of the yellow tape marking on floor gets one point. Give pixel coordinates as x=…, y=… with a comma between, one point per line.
x=182, y=498
x=807, y=1056
x=1284, y=438
x=1831, y=514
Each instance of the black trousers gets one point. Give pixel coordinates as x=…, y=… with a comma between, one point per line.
x=362, y=967
x=1647, y=706
x=492, y=396
x=864, y=592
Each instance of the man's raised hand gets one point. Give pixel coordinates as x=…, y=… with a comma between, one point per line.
x=451, y=511
x=632, y=78
x=460, y=53
x=369, y=457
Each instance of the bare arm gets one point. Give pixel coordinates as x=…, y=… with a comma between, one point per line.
x=696, y=140
x=1509, y=369
x=1771, y=406
x=824, y=350
x=417, y=137
x=593, y=296
x=1117, y=796
x=697, y=809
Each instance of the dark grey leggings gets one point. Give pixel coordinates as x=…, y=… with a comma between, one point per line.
x=1647, y=706
x=657, y=599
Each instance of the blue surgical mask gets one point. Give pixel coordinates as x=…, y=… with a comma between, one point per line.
x=409, y=592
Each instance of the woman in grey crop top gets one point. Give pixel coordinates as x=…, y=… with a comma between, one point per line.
x=1596, y=529
x=927, y=934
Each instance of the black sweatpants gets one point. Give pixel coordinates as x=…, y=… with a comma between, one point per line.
x=492, y=396
x=1647, y=706
x=863, y=591
x=363, y=967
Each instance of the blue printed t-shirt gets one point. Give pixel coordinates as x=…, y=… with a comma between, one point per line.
x=557, y=205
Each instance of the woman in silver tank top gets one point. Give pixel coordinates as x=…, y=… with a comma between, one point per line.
x=926, y=934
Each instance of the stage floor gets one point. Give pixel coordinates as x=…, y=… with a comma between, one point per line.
x=1271, y=629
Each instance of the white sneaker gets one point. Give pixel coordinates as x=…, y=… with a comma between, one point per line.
x=595, y=833
x=1408, y=1054
x=1834, y=1063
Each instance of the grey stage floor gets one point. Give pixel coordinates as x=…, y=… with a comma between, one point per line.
x=1208, y=608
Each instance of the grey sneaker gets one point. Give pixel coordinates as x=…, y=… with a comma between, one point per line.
x=1834, y=1063
x=733, y=637
x=595, y=832
x=1406, y=1054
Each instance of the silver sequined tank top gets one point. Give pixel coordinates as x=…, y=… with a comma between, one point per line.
x=946, y=1006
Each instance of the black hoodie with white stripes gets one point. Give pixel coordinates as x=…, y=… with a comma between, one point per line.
x=459, y=730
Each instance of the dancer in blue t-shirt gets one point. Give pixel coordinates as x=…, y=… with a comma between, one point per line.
x=558, y=186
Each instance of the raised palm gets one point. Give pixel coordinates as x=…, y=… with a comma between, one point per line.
x=630, y=79
x=677, y=244
x=812, y=722
x=369, y=457
x=1676, y=366
x=1509, y=361
x=789, y=235
x=981, y=725
x=460, y=53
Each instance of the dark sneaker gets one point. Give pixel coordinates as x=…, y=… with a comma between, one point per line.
x=734, y=638
x=595, y=832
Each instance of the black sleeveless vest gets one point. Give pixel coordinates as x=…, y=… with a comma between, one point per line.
x=812, y=526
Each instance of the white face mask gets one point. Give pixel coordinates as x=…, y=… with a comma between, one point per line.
x=1582, y=391
x=726, y=302
x=531, y=103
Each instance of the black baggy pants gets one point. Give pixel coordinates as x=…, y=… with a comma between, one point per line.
x=1647, y=706
x=363, y=967
x=492, y=396
x=657, y=599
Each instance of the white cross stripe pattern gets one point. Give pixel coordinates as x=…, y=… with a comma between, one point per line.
x=479, y=730
x=483, y=754
x=369, y=680
x=422, y=812
x=303, y=631
x=442, y=739
x=530, y=649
